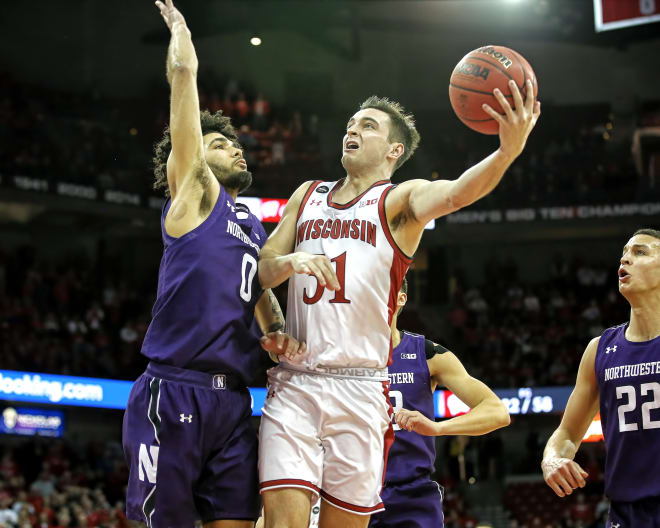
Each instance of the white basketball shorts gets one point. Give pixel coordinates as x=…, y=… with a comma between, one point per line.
x=328, y=434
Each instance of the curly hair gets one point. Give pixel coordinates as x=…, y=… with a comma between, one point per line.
x=403, y=125
x=210, y=123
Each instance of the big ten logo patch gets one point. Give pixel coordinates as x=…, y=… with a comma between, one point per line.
x=364, y=203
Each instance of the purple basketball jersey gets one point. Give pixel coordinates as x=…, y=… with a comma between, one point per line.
x=412, y=455
x=628, y=375
x=207, y=289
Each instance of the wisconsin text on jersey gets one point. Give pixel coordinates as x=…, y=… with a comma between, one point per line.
x=234, y=229
x=329, y=228
x=630, y=371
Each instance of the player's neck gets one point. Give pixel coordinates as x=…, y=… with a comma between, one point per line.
x=233, y=193
x=357, y=182
x=644, y=319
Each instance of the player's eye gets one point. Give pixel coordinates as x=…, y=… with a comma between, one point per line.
x=369, y=125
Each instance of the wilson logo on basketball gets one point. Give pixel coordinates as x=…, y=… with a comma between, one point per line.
x=467, y=68
x=335, y=229
x=497, y=55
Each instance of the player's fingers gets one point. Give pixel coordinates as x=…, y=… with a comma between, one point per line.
x=291, y=347
x=537, y=109
x=529, y=97
x=564, y=484
x=517, y=98
x=329, y=274
x=317, y=272
x=492, y=113
x=504, y=103
x=576, y=472
x=555, y=487
x=565, y=471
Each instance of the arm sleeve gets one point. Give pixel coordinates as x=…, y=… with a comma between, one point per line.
x=432, y=349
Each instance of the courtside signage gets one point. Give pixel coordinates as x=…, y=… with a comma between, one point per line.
x=113, y=394
x=31, y=422
x=63, y=390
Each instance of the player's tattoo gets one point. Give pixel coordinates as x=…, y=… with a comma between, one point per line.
x=277, y=313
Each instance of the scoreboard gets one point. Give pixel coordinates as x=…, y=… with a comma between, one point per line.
x=615, y=14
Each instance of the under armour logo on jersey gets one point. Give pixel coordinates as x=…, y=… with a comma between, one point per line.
x=233, y=209
x=610, y=349
x=615, y=525
x=315, y=202
x=183, y=418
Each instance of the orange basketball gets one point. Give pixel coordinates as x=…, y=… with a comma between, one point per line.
x=476, y=76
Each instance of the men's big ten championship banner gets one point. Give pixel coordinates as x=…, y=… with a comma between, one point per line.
x=615, y=14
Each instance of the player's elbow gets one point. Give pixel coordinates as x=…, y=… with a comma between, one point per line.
x=501, y=416
x=182, y=69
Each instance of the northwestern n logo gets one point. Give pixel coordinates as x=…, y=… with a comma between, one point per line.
x=148, y=464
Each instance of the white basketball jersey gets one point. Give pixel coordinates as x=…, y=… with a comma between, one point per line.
x=349, y=327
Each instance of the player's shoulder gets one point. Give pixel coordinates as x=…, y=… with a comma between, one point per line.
x=609, y=333
x=431, y=348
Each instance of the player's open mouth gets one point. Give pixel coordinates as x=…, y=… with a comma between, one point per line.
x=623, y=275
x=351, y=145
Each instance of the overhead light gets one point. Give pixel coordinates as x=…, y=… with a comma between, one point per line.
x=255, y=41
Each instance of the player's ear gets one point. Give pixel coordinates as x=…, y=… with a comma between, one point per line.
x=401, y=299
x=396, y=151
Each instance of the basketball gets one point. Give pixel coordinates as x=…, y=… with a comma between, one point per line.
x=476, y=76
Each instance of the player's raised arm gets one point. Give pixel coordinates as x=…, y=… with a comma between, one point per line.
x=185, y=128
x=277, y=262
x=560, y=472
x=422, y=200
x=487, y=410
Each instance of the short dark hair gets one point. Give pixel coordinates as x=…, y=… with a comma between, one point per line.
x=210, y=123
x=403, y=125
x=648, y=231
x=404, y=286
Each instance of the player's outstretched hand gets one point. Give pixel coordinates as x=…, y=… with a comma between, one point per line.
x=170, y=14
x=283, y=344
x=415, y=421
x=563, y=475
x=317, y=265
x=515, y=124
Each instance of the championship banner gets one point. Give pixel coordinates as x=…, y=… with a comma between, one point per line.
x=616, y=14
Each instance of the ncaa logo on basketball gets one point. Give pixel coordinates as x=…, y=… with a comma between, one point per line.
x=219, y=381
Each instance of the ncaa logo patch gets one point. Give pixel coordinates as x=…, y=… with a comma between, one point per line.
x=322, y=189
x=408, y=356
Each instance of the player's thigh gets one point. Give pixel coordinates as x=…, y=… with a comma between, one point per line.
x=355, y=443
x=333, y=517
x=228, y=485
x=290, y=451
x=287, y=507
